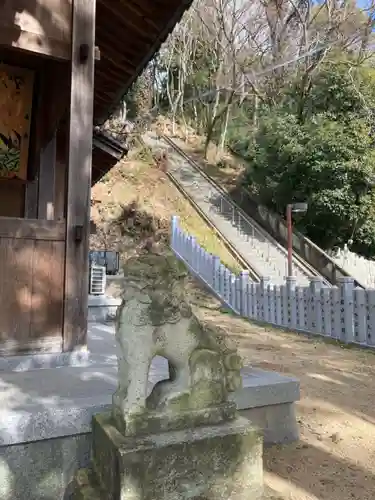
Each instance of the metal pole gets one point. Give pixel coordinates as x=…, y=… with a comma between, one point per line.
x=290, y=239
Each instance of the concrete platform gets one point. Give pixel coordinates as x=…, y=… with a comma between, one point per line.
x=45, y=415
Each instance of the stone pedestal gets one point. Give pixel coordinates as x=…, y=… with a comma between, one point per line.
x=218, y=462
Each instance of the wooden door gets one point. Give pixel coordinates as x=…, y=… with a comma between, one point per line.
x=31, y=285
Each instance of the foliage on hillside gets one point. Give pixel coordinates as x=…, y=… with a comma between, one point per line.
x=324, y=156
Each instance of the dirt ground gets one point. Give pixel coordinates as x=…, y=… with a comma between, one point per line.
x=335, y=457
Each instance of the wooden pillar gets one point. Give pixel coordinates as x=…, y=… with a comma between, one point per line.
x=79, y=174
x=31, y=200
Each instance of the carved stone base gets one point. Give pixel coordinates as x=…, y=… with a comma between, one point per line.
x=221, y=462
x=155, y=422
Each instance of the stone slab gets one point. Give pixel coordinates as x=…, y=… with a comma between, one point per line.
x=103, y=300
x=102, y=308
x=265, y=388
x=79, y=357
x=221, y=461
x=42, y=470
x=278, y=422
x=57, y=402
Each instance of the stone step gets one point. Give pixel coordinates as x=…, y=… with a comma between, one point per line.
x=258, y=248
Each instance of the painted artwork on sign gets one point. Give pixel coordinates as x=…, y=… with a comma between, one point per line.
x=16, y=92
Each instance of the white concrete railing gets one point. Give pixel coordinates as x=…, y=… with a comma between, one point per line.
x=344, y=313
x=356, y=265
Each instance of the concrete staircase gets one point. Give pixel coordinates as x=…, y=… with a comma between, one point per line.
x=267, y=257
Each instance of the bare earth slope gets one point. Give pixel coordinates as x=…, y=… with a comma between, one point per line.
x=156, y=200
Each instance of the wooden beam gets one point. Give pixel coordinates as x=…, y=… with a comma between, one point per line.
x=47, y=170
x=12, y=227
x=12, y=36
x=79, y=175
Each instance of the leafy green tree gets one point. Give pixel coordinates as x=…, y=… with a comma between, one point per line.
x=325, y=162
x=342, y=89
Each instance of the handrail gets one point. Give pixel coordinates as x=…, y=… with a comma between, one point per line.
x=254, y=274
x=305, y=267
x=303, y=246
x=308, y=250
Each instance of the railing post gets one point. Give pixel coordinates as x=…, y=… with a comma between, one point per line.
x=263, y=302
x=174, y=228
x=314, y=311
x=325, y=304
x=175, y=220
x=278, y=306
x=370, y=317
x=193, y=253
x=347, y=309
x=291, y=283
x=360, y=315
x=242, y=293
x=224, y=283
x=216, y=274
x=232, y=293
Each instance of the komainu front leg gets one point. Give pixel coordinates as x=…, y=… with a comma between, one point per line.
x=134, y=362
x=121, y=392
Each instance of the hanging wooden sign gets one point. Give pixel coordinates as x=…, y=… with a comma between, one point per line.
x=16, y=95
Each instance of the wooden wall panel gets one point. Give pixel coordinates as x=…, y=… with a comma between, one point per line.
x=16, y=260
x=41, y=26
x=31, y=286
x=47, y=290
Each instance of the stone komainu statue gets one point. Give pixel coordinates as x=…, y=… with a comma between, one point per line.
x=155, y=318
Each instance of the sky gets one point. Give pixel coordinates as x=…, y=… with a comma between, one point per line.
x=363, y=3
